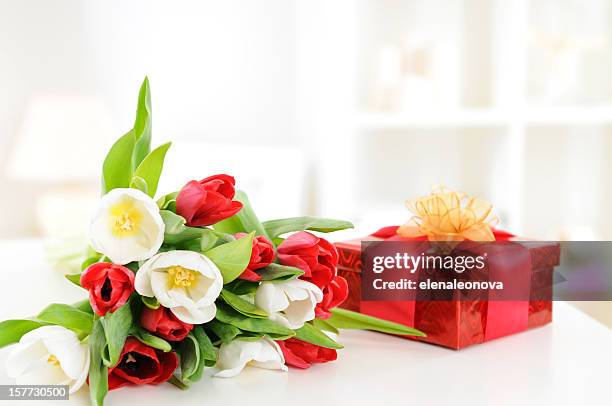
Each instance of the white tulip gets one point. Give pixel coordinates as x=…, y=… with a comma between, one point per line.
x=261, y=353
x=127, y=226
x=186, y=282
x=49, y=355
x=290, y=303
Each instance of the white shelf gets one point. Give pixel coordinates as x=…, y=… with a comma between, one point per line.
x=596, y=115
x=431, y=119
x=482, y=118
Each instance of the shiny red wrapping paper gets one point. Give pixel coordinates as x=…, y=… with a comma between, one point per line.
x=456, y=324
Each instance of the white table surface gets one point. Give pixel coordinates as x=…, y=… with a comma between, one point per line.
x=568, y=362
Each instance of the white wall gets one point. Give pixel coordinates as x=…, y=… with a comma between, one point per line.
x=221, y=71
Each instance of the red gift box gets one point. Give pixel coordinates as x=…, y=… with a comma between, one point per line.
x=458, y=323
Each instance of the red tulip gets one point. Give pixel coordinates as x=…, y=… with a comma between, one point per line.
x=164, y=323
x=318, y=259
x=315, y=256
x=301, y=354
x=208, y=201
x=262, y=255
x=333, y=295
x=140, y=364
x=109, y=285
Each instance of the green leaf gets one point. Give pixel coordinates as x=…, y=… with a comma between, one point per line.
x=174, y=380
x=244, y=221
x=190, y=356
x=280, y=337
x=226, y=314
x=230, y=225
x=139, y=183
x=342, y=318
x=91, y=259
x=277, y=272
x=98, y=372
x=142, y=126
x=233, y=257
x=149, y=339
x=313, y=335
x=150, y=168
x=207, y=353
x=248, y=217
x=225, y=332
x=210, y=239
x=168, y=202
x=175, y=229
x=176, y=232
x=150, y=302
x=249, y=336
x=325, y=326
x=206, y=242
x=67, y=316
x=279, y=227
x=241, y=305
x=74, y=278
x=116, y=328
x=11, y=331
x=207, y=350
x=84, y=306
x=116, y=171
x=242, y=287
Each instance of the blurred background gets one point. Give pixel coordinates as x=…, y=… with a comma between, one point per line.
x=333, y=108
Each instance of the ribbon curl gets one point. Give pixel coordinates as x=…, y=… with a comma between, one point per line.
x=449, y=216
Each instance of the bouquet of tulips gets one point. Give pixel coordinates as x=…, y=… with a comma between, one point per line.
x=188, y=282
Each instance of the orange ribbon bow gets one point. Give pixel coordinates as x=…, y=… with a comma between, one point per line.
x=446, y=215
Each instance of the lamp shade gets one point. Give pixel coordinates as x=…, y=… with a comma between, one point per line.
x=62, y=139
